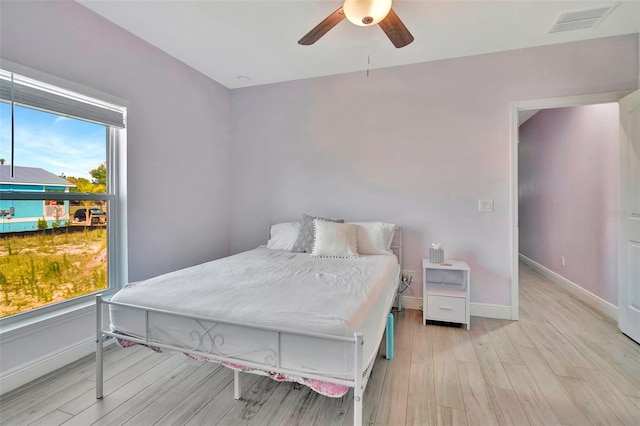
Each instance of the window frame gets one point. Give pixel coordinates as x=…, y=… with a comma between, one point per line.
x=116, y=164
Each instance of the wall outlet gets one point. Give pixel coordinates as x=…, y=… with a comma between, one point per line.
x=563, y=261
x=407, y=274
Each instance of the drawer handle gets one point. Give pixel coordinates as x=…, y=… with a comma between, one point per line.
x=446, y=308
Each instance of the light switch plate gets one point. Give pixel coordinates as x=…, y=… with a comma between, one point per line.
x=485, y=205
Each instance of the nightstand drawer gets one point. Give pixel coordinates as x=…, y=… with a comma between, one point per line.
x=446, y=308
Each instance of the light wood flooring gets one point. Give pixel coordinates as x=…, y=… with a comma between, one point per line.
x=561, y=364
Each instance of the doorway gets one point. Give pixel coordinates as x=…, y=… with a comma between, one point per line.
x=516, y=109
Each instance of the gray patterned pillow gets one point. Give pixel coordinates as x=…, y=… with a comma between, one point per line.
x=304, y=242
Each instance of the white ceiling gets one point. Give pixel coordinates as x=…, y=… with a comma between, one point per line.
x=258, y=39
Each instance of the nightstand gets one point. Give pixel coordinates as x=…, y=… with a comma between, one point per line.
x=445, y=291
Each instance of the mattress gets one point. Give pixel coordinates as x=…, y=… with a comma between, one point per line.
x=267, y=288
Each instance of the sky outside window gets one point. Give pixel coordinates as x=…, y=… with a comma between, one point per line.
x=58, y=144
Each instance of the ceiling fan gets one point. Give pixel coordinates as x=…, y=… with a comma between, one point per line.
x=364, y=13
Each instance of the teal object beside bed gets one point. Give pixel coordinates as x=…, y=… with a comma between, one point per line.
x=389, y=337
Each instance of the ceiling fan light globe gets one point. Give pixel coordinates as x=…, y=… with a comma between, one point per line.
x=365, y=13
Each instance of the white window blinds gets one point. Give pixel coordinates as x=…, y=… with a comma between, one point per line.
x=38, y=95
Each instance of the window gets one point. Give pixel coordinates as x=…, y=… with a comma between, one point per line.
x=59, y=180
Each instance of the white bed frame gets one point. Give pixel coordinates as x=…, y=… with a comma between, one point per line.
x=209, y=341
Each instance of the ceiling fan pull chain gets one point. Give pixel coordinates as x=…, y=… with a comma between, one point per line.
x=368, y=50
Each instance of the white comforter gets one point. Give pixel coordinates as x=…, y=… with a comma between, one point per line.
x=274, y=288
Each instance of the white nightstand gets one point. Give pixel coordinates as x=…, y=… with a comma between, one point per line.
x=445, y=291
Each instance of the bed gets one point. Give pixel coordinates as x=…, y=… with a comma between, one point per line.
x=315, y=320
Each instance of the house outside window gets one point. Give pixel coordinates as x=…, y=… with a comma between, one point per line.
x=59, y=178
x=25, y=215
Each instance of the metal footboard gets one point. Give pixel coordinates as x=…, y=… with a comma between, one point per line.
x=272, y=361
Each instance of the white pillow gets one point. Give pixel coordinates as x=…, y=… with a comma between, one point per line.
x=283, y=235
x=332, y=239
x=374, y=237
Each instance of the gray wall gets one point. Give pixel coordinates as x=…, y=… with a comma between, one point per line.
x=178, y=139
x=569, y=178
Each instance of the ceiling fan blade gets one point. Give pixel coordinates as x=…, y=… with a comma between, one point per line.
x=322, y=28
x=395, y=30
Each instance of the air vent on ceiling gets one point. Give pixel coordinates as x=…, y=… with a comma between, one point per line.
x=581, y=19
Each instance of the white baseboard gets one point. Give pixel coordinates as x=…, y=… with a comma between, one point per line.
x=485, y=310
x=412, y=302
x=488, y=310
x=596, y=302
x=24, y=374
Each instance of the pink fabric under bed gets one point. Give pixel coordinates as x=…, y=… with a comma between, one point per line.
x=332, y=390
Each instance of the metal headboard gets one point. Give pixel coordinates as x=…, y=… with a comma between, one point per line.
x=397, y=244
